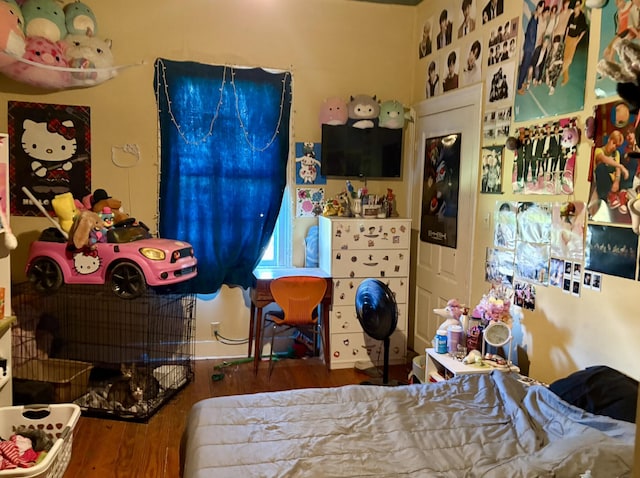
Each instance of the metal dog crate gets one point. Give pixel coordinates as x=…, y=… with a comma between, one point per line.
x=71, y=345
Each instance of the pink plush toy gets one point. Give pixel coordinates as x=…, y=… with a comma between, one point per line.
x=44, y=52
x=12, y=38
x=334, y=111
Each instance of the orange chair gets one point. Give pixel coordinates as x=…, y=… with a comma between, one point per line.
x=299, y=298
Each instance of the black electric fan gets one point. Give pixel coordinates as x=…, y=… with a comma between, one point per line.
x=377, y=312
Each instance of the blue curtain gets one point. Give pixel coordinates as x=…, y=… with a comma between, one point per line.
x=224, y=136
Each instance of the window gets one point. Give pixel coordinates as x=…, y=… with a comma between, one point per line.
x=278, y=252
x=224, y=146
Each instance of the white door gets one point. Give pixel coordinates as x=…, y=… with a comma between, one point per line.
x=444, y=273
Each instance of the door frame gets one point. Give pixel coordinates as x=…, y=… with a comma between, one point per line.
x=469, y=97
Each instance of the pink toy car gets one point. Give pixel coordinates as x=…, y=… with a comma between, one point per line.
x=130, y=260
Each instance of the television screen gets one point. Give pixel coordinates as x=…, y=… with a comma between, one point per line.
x=365, y=153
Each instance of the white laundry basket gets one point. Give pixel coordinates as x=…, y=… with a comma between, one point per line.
x=57, y=421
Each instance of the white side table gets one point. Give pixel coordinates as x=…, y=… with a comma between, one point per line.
x=442, y=367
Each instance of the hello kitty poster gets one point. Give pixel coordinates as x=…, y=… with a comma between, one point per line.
x=49, y=153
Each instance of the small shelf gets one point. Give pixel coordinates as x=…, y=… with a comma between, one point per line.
x=5, y=324
x=4, y=379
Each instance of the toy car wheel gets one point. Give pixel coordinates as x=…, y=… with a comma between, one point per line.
x=127, y=281
x=45, y=275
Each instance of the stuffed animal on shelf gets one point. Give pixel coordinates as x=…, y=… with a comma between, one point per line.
x=64, y=205
x=44, y=18
x=42, y=51
x=80, y=19
x=391, y=115
x=12, y=40
x=101, y=199
x=334, y=111
x=89, y=52
x=363, y=111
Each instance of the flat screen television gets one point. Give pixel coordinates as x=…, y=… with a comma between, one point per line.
x=361, y=153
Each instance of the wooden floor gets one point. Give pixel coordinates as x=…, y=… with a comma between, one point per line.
x=111, y=448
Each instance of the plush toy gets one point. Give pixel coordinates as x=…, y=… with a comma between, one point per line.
x=87, y=230
x=626, y=73
x=87, y=51
x=79, y=19
x=334, y=111
x=65, y=208
x=12, y=41
x=10, y=241
x=107, y=217
x=45, y=52
x=363, y=111
x=101, y=199
x=44, y=18
x=391, y=115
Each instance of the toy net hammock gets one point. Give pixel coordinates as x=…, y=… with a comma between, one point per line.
x=55, y=77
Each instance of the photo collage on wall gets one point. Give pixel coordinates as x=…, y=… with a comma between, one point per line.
x=454, y=53
x=534, y=244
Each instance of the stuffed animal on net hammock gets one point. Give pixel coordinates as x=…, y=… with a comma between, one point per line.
x=626, y=72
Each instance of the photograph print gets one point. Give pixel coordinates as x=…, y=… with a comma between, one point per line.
x=450, y=69
x=425, y=47
x=433, y=85
x=611, y=250
x=620, y=20
x=502, y=42
x=492, y=10
x=552, y=72
x=499, y=87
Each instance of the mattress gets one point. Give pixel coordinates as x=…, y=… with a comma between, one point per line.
x=478, y=425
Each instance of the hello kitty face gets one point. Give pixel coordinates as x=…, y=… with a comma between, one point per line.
x=86, y=263
x=49, y=141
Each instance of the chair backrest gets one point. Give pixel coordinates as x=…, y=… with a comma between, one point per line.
x=298, y=296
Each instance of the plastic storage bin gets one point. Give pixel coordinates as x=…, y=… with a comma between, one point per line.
x=69, y=377
x=58, y=421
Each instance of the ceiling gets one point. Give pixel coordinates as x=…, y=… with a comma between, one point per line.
x=395, y=2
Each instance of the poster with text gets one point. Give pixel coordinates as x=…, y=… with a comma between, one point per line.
x=552, y=72
x=50, y=153
x=439, y=215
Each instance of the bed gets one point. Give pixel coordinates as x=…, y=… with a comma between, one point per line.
x=480, y=425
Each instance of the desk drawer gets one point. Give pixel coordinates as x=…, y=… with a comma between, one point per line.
x=370, y=234
x=352, y=347
x=344, y=290
x=373, y=263
x=344, y=319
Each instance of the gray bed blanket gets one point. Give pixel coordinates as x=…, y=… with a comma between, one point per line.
x=471, y=426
